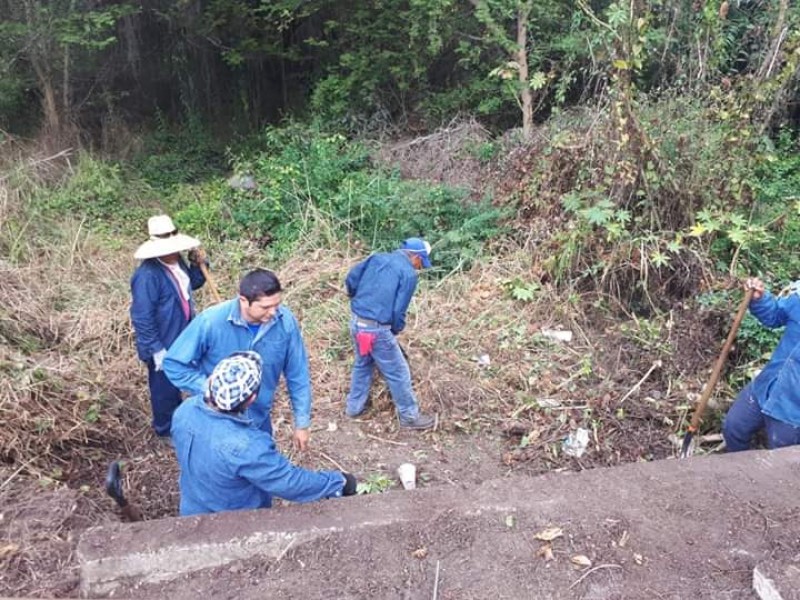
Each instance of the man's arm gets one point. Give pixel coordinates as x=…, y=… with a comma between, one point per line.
x=765, y=307
x=196, y=277
x=354, y=277
x=271, y=472
x=144, y=310
x=182, y=363
x=405, y=291
x=298, y=378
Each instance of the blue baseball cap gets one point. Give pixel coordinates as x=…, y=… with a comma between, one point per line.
x=420, y=247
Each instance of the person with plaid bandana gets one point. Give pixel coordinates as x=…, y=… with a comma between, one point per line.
x=226, y=461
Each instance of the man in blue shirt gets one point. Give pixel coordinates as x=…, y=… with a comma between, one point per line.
x=772, y=400
x=162, y=306
x=255, y=320
x=380, y=290
x=226, y=462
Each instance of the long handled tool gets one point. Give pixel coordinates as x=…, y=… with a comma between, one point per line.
x=114, y=489
x=712, y=382
x=210, y=282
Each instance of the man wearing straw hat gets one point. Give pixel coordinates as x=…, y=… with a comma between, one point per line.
x=162, y=306
x=226, y=461
x=380, y=290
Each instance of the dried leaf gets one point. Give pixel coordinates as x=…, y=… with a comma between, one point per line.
x=549, y=534
x=420, y=553
x=545, y=552
x=8, y=550
x=623, y=540
x=581, y=560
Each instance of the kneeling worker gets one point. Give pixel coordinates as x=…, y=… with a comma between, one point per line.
x=226, y=462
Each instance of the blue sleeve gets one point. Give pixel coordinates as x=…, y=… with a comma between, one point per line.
x=144, y=313
x=405, y=291
x=271, y=472
x=354, y=277
x=182, y=363
x=298, y=378
x=772, y=311
x=196, y=277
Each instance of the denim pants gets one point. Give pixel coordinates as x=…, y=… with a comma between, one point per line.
x=387, y=356
x=745, y=419
x=164, y=399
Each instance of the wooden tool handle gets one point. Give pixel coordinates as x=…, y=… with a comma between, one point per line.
x=210, y=281
x=726, y=348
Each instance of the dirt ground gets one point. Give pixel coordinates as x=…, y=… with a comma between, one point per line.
x=506, y=395
x=672, y=529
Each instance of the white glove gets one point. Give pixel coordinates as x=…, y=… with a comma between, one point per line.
x=158, y=359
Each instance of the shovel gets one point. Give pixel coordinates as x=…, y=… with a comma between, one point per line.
x=113, y=487
x=210, y=282
x=686, y=446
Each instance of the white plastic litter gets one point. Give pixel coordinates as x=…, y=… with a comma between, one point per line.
x=408, y=476
x=559, y=335
x=576, y=442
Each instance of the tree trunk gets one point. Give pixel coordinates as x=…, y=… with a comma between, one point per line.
x=52, y=118
x=526, y=95
x=778, y=35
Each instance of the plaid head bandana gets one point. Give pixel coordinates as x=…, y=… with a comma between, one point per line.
x=234, y=379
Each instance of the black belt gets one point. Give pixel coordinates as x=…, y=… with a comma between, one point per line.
x=362, y=322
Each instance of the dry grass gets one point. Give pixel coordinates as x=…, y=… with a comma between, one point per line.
x=73, y=395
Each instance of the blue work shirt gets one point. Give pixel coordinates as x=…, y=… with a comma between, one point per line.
x=221, y=330
x=227, y=463
x=156, y=311
x=777, y=387
x=381, y=288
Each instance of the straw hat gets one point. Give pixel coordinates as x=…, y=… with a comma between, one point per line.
x=164, y=239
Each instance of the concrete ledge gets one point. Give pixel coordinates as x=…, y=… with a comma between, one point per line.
x=774, y=580
x=674, y=510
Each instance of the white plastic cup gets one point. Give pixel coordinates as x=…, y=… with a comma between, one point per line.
x=408, y=476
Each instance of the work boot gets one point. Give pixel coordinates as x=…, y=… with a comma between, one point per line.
x=365, y=408
x=420, y=423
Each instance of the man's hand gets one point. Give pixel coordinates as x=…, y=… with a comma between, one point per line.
x=755, y=284
x=197, y=256
x=158, y=360
x=300, y=439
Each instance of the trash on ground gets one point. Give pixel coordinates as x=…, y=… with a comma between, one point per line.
x=408, y=476
x=559, y=335
x=483, y=360
x=576, y=442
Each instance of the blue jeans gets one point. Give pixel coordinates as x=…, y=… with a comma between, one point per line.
x=387, y=356
x=745, y=419
x=164, y=399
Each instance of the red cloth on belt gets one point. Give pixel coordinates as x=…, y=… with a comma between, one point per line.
x=365, y=340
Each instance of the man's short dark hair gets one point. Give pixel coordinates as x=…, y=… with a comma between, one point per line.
x=258, y=283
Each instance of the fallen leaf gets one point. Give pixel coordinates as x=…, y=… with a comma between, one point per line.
x=638, y=559
x=549, y=534
x=420, y=553
x=623, y=539
x=545, y=552
x=8, y=550
x=581, y=560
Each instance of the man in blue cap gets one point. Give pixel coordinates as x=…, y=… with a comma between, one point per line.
x=226, y=461
x=380, y=290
